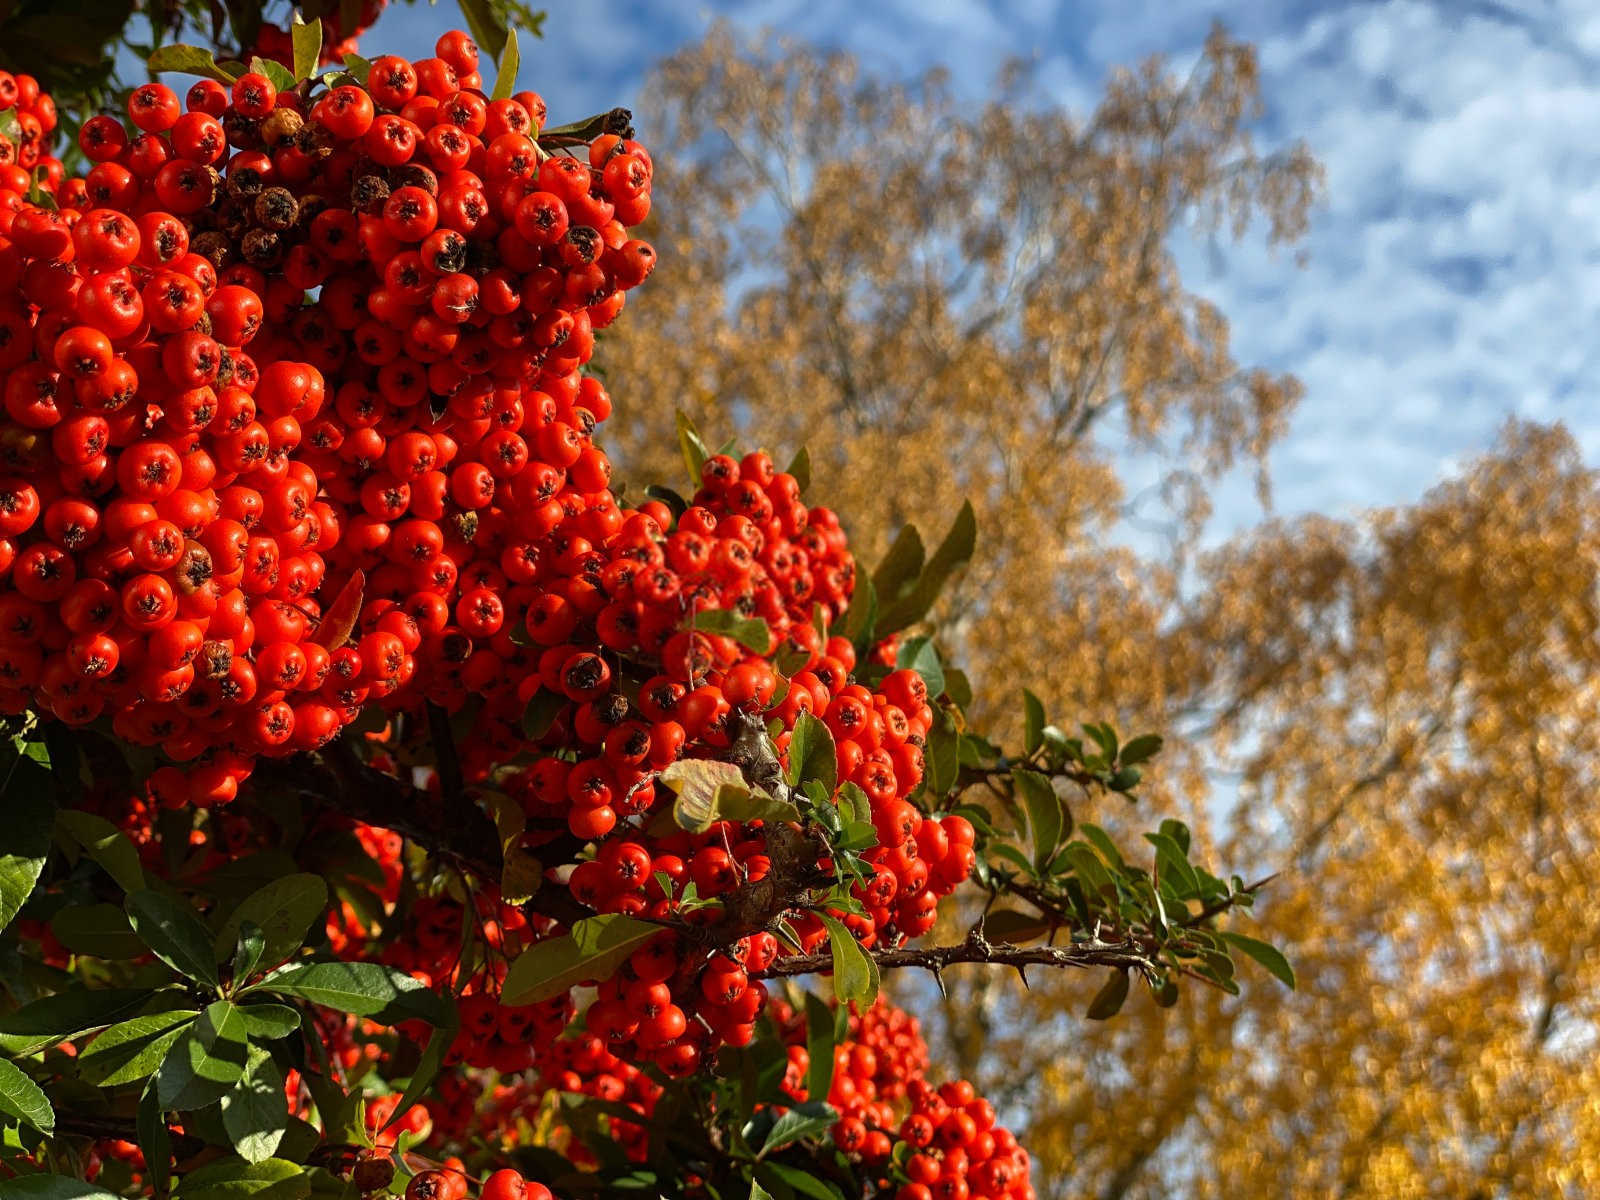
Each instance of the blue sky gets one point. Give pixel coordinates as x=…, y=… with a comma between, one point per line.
x=1454, y=271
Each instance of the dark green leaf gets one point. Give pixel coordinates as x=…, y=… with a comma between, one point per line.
x=487, y=26
x=953, y=552
x=1140, y=748
x=307, y=42
x=1178, y=832
x=1102, y=842
x=1174, y=865
x=943, y=753
x=695, y=451
x=24, y=1099
x=674, y=502
x=66, y=1014
x=269, y=1021
x=30, y=813
x=860, y=620
x=750, y=632
x=54, y=1187
x=274, y=1179
x=285, y=909
x=802, y=1182
x=133, y=1049
x=206, y=1062
x=99, y=930
x=255, y=1113
x=505, y=82
x=155, y=1140
x=174, y=931
x=541, y=713
x=855, y=974
x=812, y=755
x=900, y=567
x=1044, y=813
x=819, y=1047
x=247, y=953
x=1267, y=955
x=1108, y=1001
x=106, y=844
x=801, y=1121
x=1032, y=722
x=917, y=654
x=428, y=1066
x=594, y=949
x=800, y=467
x=366, y=989
x=1008, y=925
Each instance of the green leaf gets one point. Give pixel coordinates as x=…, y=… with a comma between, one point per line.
x=801, y=1121
x=801, y=1182
x=134, y=1048
x=99, y=930
x=1032, y=722
x=594, y=949
x=709, y=791
x=155, y=1140
x=360, y=69
x=1174, y=865
x=269, y=1021
x=206, y=1062
x=1102, y=842
x=953, y=552
x=695, y=451
x=543, y=709
x=918, y=654
x=819, y=1047
x=174, y=931
x=800, y=467
x=273, y=1179
x=859, y=623
x=1178, y=832
x=429, y=1065
x=282, y=78
x=366, y=989
x=486, y=25
x=1044, y=813
x=307, y=42
x=255, y=1113
x=285, y=909
x=1267, y=955
x=812, y=754
x=505, y=81
x=1108, y=1001
x=855, y=974
x=106, y=844
x=1009, y=925
x=30, y=813
x=247, y=954
x=54, y=1187
x=187, y=60
x=942, y=756
x=757, y=1192
x=752, y=633
x=51, y=1019
x=1140, y=748
x=900, y=567
x=24, y=1099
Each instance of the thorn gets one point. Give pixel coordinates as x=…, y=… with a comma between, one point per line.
x=938, y=977
x=1022, y=974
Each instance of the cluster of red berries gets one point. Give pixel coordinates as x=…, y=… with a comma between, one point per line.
x=27, y=119
x=880, y=1090
x=170, y=510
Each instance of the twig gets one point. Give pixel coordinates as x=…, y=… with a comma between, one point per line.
x=1128, y=955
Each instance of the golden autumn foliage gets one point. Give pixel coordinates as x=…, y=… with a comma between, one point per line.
x=1396, y=714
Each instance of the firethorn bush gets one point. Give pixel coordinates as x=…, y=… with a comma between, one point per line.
x=394, y=805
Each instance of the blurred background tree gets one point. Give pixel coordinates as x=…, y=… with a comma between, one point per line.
x=1392, y=711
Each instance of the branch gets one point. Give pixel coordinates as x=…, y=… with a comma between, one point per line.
x=1128, y=955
